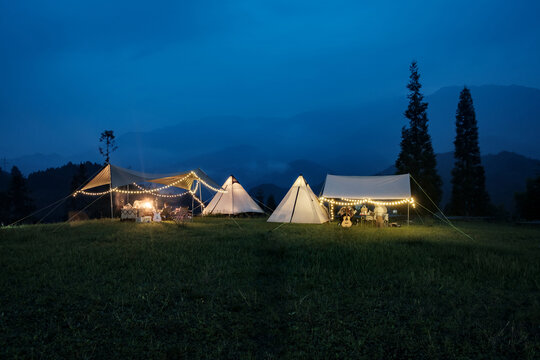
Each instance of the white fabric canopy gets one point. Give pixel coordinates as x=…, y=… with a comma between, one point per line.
x=117, y=176
x=300, y=205
x=234, y=201
x=387, y=187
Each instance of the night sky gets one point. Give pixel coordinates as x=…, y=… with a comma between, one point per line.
x=69, y=69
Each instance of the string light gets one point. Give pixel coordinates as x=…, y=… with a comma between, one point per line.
x=92, y=193
x=153, y=191
x=198, y=200
x=352, y=202
x=207, y=185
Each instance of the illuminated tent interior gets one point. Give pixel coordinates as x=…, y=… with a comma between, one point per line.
x=300, y=205
x=234, y=201
x=387, y=190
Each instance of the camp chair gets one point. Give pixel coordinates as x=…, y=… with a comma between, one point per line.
x=181, y=214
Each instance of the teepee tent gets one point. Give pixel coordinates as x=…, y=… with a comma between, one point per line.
x=300, y=205
x=235, y=200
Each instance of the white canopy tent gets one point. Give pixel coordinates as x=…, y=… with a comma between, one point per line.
x=115, y=177
x=386, y=187
x=234, y=201
x=388, y=190
x=300, y=205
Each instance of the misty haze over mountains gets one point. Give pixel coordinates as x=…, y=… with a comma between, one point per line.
x=362, y=139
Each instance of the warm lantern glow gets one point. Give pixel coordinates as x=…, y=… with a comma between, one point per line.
x=147, y=205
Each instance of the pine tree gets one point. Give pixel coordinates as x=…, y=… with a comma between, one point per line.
x=417, y=156
x=469, y=195
x=20, y=204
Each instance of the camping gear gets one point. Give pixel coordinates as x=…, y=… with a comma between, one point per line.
x=181, y=214
x=234, y=201
x=300, y=205
x=387, y=190
x=116, y=177
x=128, y=213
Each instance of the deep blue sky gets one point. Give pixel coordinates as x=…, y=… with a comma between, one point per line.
x=69, y=69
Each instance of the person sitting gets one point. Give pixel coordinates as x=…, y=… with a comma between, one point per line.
x=379, y=215
x=166, y=212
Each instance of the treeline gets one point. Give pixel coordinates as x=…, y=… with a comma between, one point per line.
x=21, y=196
x=469, y=196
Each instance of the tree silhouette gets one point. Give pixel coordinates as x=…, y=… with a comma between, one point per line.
x=4, y=200
x=108, y=138
x=527, y=202
x=417, y=156
x=20, y=204
x=469, y=196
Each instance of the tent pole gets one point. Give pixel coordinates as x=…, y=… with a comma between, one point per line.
x=110, y=189
x=408, y=222
x=200, y=196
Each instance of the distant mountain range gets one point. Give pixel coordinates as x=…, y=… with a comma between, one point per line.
x=358, y=139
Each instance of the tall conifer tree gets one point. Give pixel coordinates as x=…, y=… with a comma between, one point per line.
x=19, y=200
x=417, y=156
x=469, y=195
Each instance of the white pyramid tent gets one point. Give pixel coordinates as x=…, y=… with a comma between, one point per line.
x=300, y=205
x=234, y=201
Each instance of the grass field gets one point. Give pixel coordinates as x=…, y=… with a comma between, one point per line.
x=220, y=289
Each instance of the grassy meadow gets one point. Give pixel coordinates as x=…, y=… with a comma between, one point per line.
x=218, y=288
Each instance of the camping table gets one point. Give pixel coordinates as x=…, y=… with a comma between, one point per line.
x=367, y=218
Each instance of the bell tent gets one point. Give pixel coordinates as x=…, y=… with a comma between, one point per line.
x=300, y=205
x=235, y=200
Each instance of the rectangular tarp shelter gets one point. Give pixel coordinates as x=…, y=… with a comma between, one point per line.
x=116, y=176
x=386, y=187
